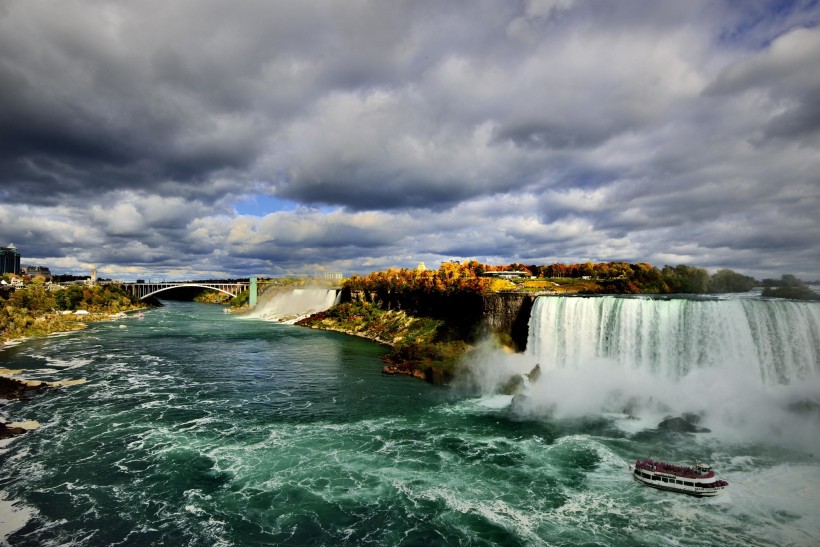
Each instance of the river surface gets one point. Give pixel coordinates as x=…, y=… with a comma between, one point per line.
x=200, y=428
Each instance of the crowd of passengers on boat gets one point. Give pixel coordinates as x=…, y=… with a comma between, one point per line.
x=679, y=472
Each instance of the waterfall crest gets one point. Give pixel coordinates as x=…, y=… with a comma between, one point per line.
x=291, y=305
x=763, y=341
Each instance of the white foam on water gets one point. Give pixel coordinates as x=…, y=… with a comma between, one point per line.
x=749, y=368
x=780, y=499
x=484, y=403
x=13, y=516
x=462, y=500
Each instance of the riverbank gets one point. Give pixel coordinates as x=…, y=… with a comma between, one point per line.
x=58, y=322
x=13, y=387
x=34, y=311
x=421, y=347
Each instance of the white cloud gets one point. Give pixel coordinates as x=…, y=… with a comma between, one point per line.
x=407, y=131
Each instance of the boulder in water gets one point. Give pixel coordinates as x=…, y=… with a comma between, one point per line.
x=514, y=385
x=521, y=404
x=7, y=431
x=805, y=407
x=534, y=374
x=524, y=405
x=681, y=425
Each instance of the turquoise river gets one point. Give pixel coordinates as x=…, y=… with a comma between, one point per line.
x=199, y=428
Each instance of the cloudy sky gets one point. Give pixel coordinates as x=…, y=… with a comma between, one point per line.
x=203, y=138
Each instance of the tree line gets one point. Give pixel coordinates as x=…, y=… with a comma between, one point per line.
x=605, y=277
x=34, y=310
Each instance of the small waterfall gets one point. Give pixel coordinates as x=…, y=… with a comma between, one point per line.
x=770, y=342
x=291, y=305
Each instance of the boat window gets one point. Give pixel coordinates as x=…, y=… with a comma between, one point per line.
x=677, y=481
x=687, y=483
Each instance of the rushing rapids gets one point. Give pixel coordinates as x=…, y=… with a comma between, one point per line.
x=198, y=428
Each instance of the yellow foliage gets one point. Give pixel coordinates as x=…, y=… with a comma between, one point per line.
x=500, y=285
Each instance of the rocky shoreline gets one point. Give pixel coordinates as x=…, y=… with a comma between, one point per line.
x=413, y=372
x=390, y=369
x=14, y=388
x=61, y=322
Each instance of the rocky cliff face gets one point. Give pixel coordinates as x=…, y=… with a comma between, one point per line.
x=509, y=313
x=468, y=314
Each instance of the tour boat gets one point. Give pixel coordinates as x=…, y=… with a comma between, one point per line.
x=698, y=481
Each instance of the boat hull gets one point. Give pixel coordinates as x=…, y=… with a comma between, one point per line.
x=697, y=491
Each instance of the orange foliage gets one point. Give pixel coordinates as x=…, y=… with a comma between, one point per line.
x=467, y=276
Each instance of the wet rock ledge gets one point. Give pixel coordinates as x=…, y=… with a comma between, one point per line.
x=19, y=389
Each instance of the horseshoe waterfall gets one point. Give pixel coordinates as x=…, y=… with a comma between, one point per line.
x=745, y=368
x=775, y=342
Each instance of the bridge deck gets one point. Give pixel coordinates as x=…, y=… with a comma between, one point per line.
x=144, y=290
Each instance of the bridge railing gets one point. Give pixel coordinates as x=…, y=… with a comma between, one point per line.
x=143, y=290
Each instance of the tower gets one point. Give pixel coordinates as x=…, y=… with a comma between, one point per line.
x=9, y=260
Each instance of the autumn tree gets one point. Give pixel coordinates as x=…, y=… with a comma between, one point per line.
x=34, y=298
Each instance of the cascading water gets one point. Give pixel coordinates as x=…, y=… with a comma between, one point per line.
x=290, y=305
x=775, y=341
x=749, y=368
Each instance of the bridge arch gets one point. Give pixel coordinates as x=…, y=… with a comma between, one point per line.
x=172, y=287
x=142, y=290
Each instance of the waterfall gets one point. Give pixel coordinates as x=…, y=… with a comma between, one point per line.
x=770, y=342
x=748, y=368
x=290, y=305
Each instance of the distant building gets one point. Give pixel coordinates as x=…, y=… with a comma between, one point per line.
x=9, y=260
x=332, y=275
x=505, y=275
x=34, y=271
x=421, y=267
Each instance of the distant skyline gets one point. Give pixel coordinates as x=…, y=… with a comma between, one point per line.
x=204, y=139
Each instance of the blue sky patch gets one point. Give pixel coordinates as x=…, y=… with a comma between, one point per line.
x=262, y=204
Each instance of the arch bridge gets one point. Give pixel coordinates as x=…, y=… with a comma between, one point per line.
x=144, y=290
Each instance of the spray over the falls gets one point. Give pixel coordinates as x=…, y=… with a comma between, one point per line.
x=744, y=367
x=290, y=305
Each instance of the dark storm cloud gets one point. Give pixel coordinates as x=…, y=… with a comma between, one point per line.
x=535, y=130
